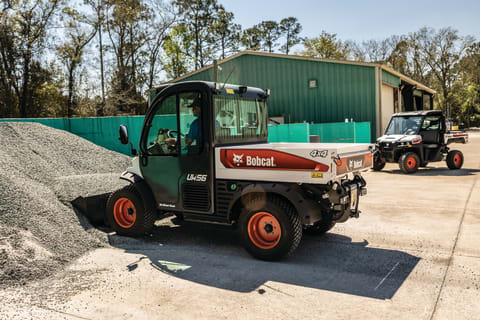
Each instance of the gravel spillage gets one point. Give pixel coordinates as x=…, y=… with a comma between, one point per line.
x=42, y=169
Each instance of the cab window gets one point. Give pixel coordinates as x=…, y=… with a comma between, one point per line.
x=239, y=119
x=176, y=126
x=163, y=129
x=431, y=123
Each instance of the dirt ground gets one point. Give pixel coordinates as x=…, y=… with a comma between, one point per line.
x=413, y=254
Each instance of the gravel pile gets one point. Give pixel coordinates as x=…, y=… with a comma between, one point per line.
x=41, y=170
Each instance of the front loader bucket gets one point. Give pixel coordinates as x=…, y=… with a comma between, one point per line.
x=93, y=208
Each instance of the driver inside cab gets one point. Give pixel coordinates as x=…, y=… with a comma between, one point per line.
x=195, y=132
x=194, y=135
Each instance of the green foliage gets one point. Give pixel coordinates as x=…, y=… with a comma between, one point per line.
x=175, y=45
x=46, y=99
x=326, y=46
x=226, y=34
x=290, y=28
x=252, y=38
x=198, y=17
x=54, y=61
x=270, y=32
x=23, y=34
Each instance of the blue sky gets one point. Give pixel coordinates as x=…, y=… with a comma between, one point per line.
x=363, y=19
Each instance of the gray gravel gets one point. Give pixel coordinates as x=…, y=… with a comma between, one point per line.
x=42, y=169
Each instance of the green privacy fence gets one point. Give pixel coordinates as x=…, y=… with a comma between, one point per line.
x=104, y=131
x=101, y=131
x=295, y=132
x=349, y=132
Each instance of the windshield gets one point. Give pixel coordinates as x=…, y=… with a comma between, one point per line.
x=240, y=120
x=404, y=125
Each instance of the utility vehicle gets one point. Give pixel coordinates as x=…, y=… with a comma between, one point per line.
x=216, y=166
x=413, y=139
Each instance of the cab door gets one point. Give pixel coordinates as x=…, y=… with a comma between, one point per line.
x=177, y=168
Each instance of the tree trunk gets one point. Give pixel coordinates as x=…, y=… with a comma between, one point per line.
x=101, y=112
x=26, y=78
x=70, y=90
x=223, y=47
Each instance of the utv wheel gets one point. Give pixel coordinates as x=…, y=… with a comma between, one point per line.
x=409, y=162
x=455, y=159
x=321, y=227
x=130, y=214
x=378, y=163
x=270, y=229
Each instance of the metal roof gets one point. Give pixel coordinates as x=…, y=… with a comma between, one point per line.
x=418, y=113
x=295, y=57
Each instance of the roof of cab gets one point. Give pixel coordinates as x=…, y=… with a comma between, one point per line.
x=229, y=90
x=418, y=113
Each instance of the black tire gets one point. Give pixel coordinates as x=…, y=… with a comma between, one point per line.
x=285, y=220
x=130, y=199
x=378, y=163
x=454, y=159
x=409, y=162
x=321, y=227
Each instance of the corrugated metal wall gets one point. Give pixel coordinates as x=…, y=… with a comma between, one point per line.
x=343, y=90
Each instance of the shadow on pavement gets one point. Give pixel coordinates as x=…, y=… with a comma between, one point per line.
x=434, y=171
x=212, y=256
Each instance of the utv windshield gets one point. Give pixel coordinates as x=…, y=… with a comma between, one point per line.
x=240, y=120
x=404, y=125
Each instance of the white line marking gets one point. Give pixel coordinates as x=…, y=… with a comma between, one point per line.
x=388, y=274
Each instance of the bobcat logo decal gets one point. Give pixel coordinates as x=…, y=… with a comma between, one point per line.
x=237, y=159
x=353, y=164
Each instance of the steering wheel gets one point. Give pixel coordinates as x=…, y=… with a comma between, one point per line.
x=174, y=134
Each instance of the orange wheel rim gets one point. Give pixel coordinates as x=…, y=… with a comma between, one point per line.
x=411, y=163
x=457, y=159
x=264, y=230
x=124, y=213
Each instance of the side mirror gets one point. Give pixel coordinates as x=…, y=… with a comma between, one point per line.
x=123, y=134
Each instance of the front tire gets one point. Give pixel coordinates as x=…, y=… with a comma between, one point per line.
x=270, y=228
x=130, y=213
x=455, y=159
x=409, y=162
x=378, y=163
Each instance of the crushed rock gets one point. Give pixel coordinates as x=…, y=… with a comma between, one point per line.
x=42, y=170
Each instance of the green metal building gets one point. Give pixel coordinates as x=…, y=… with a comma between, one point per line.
x=322, y=90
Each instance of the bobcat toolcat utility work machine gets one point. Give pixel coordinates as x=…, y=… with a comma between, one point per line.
x=203, y=155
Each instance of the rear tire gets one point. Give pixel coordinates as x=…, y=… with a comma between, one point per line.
x=270, y=228
x=455, y=159
x=130, y=213
x=409, y=162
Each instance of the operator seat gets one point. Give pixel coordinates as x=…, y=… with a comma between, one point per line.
x=430, y=138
